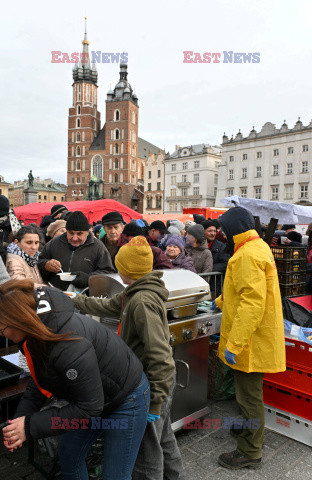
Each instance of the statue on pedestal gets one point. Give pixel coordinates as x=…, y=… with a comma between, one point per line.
x=30, y=179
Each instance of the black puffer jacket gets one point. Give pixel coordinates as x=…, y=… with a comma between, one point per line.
x=94, y=373
x=220, y=256
x=92, y=258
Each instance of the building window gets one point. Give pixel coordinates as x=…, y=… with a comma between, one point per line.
x=83, y=180
x=158, y=202
x=243, y=192
x=78, y=179
x=97, y=166
x=116, y=147
x=173, y=207
x=78, y=165
x=78, y=123
x=79, y=110
x=73, y=180
x=305, y=148
x=74, y=192
x=83, y=164
x=184, y=166
x=116, y=178
x=275, y=170
x=184, y=178
x=258, y=171
x=110, y=178
x=258, y=192
x=304, y=167
x=276, y=152
x=184, y=192
x=231, y=158
x=290, y=150
x=81, y=192
x=173, y=167
x=289, y=168
x=73, y=151
x=244, y=172
x=78, y=136
x=173, y=192
x=231, y=175
x=230, y=192
x=217, y=164
x=121, y=177
x=116, y=134
x=196, y=177
x=288, y=192
x=259, y=154
x=45, y=197
x=303, y=191
x=196, y=191
x=158, y=186
x=173, y=180
x=73, y=165
x=117, y=115
x=73, y=136
x=78, y=151
x=116, y=164
x=149, y=202
x=245, y=156
x=158, y=173
x=196, y=163
x=149, y=174
x=274, y=193
x=149, y=187
x=39, y=197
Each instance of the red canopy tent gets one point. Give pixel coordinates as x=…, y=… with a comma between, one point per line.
x=94, y=210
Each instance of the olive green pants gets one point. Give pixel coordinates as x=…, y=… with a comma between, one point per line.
x=249, y=396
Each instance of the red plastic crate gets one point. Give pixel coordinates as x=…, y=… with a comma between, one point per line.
x=287, y=399
x=299, y=354
x=297, y=378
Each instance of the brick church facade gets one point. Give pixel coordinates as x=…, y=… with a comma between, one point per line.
x=104, y=162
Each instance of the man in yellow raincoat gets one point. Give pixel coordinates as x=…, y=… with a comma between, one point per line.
x=252, y=337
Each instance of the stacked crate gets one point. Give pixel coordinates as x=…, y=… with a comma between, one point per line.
x=288, y=395
x=291, y=267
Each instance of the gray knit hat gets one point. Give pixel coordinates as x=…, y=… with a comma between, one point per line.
x=177, y=224
x=197, y=231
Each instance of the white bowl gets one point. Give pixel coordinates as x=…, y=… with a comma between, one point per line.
x=67, y=277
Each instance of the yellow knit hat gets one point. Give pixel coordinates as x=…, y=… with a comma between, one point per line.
x=135, y=259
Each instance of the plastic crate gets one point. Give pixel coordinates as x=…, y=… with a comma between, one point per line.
x=299, y=354
x=292, y=289
x=290, y=265
x=292, y=277
x=288, y=399
x=288, y=253
x=292, y=426
x=297, y=378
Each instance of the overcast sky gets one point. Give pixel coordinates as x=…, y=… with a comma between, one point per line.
x=180, y=103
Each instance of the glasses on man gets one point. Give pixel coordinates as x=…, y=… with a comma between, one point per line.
x=2, y=330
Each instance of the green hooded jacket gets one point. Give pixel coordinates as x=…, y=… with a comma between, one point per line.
x=144, y=328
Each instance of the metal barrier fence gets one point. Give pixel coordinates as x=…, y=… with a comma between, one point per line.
x=215, y=280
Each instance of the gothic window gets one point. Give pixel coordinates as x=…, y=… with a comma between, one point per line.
x=78, y=110
x=97, y=166
x=116, y=164
x=116, y=178
x=78, y=151
x=78, y=180
x=116, y=134
x=78, y=136
x=116, y=148
x=78, y=165
x=81, y=192
x=117, y=115
x=78, y=122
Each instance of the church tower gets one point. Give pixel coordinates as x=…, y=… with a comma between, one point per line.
x=121, y=143
x=83, y=124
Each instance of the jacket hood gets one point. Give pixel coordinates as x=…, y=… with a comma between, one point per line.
x=235, y=221
x=54, y=307
x=150, y=282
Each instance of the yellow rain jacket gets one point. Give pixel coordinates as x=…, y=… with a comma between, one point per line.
x=252, y=317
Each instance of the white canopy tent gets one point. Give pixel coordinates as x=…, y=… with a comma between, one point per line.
x=265, y=210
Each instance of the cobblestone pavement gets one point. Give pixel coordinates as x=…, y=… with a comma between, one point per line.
x=283, y=458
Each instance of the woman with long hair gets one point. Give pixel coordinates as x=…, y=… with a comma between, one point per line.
x=74, y=358
x=22, y=255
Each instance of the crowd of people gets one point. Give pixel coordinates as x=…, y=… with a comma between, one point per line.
x=129, y=378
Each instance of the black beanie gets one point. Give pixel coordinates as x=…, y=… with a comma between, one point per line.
x=4, y=206
x=133, y=230
x=56, y=209
x=207, y=224
x=77, y=222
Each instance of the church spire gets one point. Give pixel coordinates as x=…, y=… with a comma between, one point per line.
x=82, y=70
